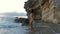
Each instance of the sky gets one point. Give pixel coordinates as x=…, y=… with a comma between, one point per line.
x=12, y=6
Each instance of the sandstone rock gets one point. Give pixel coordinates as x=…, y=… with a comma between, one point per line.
x=47, y=10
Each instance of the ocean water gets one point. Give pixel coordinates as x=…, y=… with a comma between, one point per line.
x=8, y=26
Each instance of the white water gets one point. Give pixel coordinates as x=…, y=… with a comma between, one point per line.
x=7, y=26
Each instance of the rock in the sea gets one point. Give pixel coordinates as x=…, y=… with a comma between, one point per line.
x=16, y=20
x=24, y=21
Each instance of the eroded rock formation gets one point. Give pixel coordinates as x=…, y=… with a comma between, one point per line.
x=47, y=10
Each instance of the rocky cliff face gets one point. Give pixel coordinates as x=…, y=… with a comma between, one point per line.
x=47, y=10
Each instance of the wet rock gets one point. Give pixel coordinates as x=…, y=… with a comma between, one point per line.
x=42, y=28
x=16, y=19
x=24, y=21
